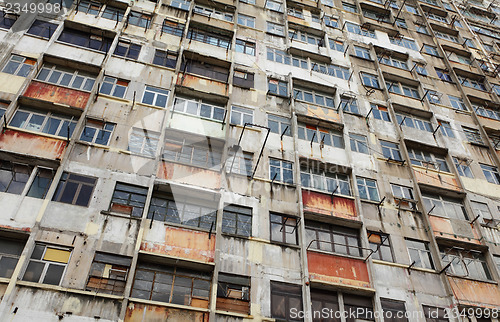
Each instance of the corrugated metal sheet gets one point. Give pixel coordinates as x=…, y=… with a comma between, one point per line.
x=202, y=84
x=32, y=144
x=151, y=313
x=56, y=94
x=469, y=292
x=322, y=203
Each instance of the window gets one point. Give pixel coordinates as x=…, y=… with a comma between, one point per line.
x=313, y=97
x=277, y=87
x=274, y=28
x=171, y=284
x=486, y=112
x=75, y=189
x=86, y=39
x=421, y=29
x=315, y=17
x=362, y=52
x=66, y=77
x=165, y=58
x=380, y=112
x=323, y=180
x=173, y=27
x=199, y=108
x=200, y=151
x=97, y=132
x=401, y=23
x=435, y=314
x=457, y=103
x=433, y=96
x=305, y=37
x=138, y=19
x=42, y=29
x=445, y=207
x=128, y=199
x=358, y=143
x=332, y=238
x=3, y=108
x=248, y=1
x=243, y=79
x=108, y=273
x=180, y=4
x=402, y=193
x=275, y=5
x=296, y=12
x=469, y=43
x=325, y=299
x=44, y=122
x=349, y=7
x=280, y=171
x=472, y=135
x=113, y=86
x=467, y=263
x=391, y=150
x=240, y=163
x=393, y=311
x=13, y=177
x=245, y=46
x=331, y=21
x=241, y=115
x=337, y=45
x=463, y=168
x=183, y=210
x=41, y=183
x=381, y=246
x=358, y=308
x=431, y=50
x=47, y=264
x=393, y=61
x=285, y=298
x=196, y=67
x=212, y=13
x=233, y=293
x=315, y=134
x=491, y=173
x=210, y=38
x=426, y=159
x=127, y=49
x=278, y=56
x=10, y=251
x=443, y=75
x=411, y=9
x=356, y=29
x=436, y=17
x=155, y=96
x=402, y=89
x=245, y=20
x=452, y=56
x=370, y=80
x=7, y=20
x=420, y=253
x=89, y=7
x=481, y=209
x=367, y=189
x=237, y=220
x=113, y=13
x=144, y=142
x=414, y=122
x=404, y=42
x=349, y=104
x=380, y=17
x=279, y=125
x=472, y=83
x=332, y=70
x=283, y=228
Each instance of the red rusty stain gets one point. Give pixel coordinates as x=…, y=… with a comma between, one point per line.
x=143, y=312
x=337, y=269
x=28, y=143
x=25, y=229
x=322, y=113
x=469, y=292
x=442, y=228
x=56, y=94
x=202, y=84
x=189, y=175
x=438, y=180
x=322, y=203
x=184, y=243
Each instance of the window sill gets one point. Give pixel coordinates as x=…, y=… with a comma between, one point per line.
x=194, y=262
x=37, y=36
x=362, y=58
x=239, y=315
x=229, y=235
x=111, y=97
x=352, y=113
x=481, y=145
x=191, y=165
x=373, y=202
x=278, y=243
x=195, y=116
x=338, y=195
x=387, y=263
x=116, y=214
x=273, y=34
x=176, y=225
x=177, y=306
x=335, y=254
x=151, y=106
x=62, y=86
x=472, y=279
x=130, y=59
x=4, y=280
x=61, y=138
x=432, y=170
x=94, y=145
x=68, y=290
x=81, y=47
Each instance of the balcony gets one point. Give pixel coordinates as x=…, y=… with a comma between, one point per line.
x=31, y=144
x=474, y=293
x=331, y=206
x=145, y=312
x=431, y=177
x=57, y=94
x=185, y=174
x=454, y=229
x=11, y=84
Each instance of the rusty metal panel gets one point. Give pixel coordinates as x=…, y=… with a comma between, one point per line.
x=151, y=313
x=202, y=84
x=442, y=227
x=32, y=144
x=442, y=180
x=322, y=203
x=323, y=113
x=185, y=243
x=337, y=269
x=56, y=94
x=189, y=175
x=476, y=293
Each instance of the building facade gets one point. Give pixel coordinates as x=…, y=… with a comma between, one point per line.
x=263, y=160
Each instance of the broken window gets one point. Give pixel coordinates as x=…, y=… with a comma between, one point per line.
x=128, y=199
x=279, y=125
x=44, y=122
x=164, y=207
x=41, y=183
x=237, y=220
x=233, y=293
x=173, y=27
x=165, y=58
x=472, y=135
x=88, y=7
x=394, y=311
x=86, y=39
x=240, y=162
x=211, y=38
x=281, y=171
x=381, y=246
x=138, y=19
x=143, y=142
x=47, y=264
x=241, y=115
x=108, y=274
x=420, y=254
x=13, y=177
x=75, y=189
x=283, y=228
x=277, y=87
x=446, y=207
x=62, y=76
x=367, y=189
x=199, y=108
x=155, y=96
x=171, y=284
x=333, y=238
x=243, y=79
x=285, y=299
x=320, y=179
x=113, y=86
x=358, y=308
x=127, y=49
x=19, y=66
x=245, y=46
x=390, y=150
x=482, y=210
x=10, y=251
x=200, y=151
x=467, y=263
x=3, y=108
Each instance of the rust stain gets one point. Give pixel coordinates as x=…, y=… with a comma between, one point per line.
x=152, y=313
x=469, y=292
x=28, y=143
x=298, y=21
x=189, y=175
x=202, y=84
x=337, y=269
x=442, y=228
x=322, y=113
x=56, y=94
x=433, y=179
x=322, y=203
x=184, y=243
x=25, y=229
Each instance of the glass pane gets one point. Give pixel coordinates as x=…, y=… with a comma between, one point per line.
x=54, y=274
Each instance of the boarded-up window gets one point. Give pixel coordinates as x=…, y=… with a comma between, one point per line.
x=108, y=274
x=233, y=293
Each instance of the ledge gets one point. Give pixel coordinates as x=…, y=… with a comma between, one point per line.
x=239, y=315
x=68, y=290
x=175, y=306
